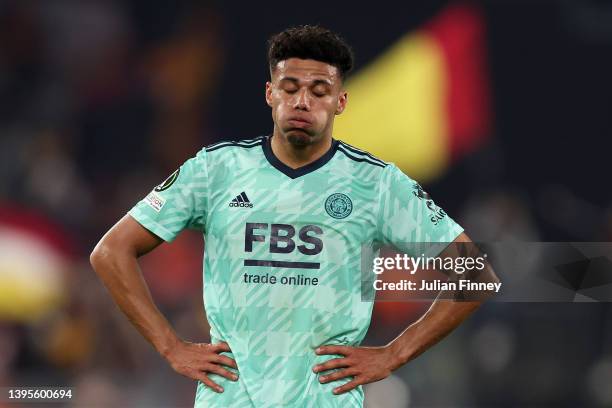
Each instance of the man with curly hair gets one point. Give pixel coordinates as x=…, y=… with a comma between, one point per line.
x=285, y=218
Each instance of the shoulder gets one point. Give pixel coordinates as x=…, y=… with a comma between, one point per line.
x=362, y=164
x=234, y=144
x=217, y=158
x=359, y=156
x=386, y=172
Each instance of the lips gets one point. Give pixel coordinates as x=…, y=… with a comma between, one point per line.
x=299, y=122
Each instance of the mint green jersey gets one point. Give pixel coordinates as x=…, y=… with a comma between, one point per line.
x=283, y=256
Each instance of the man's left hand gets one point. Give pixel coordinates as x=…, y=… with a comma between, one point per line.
x=365, y=364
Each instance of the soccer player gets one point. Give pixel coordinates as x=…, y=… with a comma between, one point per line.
x=284, y=218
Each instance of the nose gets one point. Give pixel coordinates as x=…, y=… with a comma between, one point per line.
x=302, y=101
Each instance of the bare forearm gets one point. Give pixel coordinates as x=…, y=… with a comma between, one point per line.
x=120, y=273
x=445, y=314
x=442, y=317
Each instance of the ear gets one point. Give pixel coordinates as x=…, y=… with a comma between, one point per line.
x=269, y=93
x=342, y=101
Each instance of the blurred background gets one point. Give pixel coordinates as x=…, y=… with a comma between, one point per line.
x=501, y=109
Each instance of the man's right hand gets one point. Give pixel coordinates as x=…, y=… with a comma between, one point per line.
x=196, y=360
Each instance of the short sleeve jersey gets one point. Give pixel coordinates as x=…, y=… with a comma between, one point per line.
x=283, y=256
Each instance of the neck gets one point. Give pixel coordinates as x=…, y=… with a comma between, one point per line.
x=296, y=157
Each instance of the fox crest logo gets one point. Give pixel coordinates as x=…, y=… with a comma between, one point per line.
x=338, y=205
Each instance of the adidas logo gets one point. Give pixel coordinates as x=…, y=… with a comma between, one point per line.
x=241, y=200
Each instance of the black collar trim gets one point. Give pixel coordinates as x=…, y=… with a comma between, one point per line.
x=300, y=171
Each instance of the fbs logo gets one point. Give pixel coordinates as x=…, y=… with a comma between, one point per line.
x=241, y=200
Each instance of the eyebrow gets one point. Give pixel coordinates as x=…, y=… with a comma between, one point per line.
x=315, y=82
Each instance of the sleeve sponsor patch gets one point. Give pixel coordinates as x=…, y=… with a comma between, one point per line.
x=155, y=200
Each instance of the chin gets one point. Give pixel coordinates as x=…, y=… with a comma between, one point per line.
x=300, y=138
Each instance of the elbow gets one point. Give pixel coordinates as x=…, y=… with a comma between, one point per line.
x=97, y=255
x=100, y=256
x=493, y=279
x=492, y=276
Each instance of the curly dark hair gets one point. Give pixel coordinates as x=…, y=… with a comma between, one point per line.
x=311, y=42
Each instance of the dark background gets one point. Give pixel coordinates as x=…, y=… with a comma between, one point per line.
x=100, y=100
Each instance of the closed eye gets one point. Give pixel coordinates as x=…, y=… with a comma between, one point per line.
x=320, y=90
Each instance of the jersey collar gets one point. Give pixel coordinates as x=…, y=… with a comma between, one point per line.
x=300, y=171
